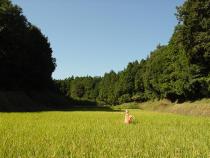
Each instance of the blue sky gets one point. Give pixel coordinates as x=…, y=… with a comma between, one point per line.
x=91, y=37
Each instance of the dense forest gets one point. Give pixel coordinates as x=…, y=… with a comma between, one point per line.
x=178, y=71
x=26, y=64
x=26, y=60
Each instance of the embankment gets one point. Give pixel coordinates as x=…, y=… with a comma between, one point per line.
x=195, y=108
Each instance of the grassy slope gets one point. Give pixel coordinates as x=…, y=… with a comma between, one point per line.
x=103, y=134
x=197, y=108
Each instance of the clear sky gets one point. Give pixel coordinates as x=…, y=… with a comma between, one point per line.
x=91, y=37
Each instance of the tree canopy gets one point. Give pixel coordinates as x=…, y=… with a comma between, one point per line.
x=26, y=60
x=179, y=70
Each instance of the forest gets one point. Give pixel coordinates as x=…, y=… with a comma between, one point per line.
x=178, y=71
x=26, y=60
x=166, y=96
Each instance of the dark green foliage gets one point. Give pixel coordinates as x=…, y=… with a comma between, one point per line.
x=78, y=89
x=85, y=89
x=107, y=88
x=125, y=98
x=126, y=83
x=177, y=71
x=194, y=16
x=25, y=55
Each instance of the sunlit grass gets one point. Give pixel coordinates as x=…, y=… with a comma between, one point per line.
x=196, y=108
x=103, y=134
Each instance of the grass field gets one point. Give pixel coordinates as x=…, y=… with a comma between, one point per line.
x=103, y=134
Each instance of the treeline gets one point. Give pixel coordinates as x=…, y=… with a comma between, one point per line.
x=177, y=71
x=26, y=60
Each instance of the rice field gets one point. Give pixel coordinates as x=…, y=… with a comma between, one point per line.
x=103, y=134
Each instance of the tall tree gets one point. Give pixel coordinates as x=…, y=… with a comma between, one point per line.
x=26, y=60
x=194, y=15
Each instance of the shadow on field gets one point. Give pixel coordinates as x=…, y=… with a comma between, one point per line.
x=40, y=101
x=62, y=109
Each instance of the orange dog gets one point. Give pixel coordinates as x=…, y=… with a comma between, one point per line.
x=128, y=118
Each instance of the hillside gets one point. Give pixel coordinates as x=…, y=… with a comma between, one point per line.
x=194, y=108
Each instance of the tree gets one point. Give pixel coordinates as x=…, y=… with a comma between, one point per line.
x=107, y=88
x=179, y=70
x=194, y=15
x=26, y=60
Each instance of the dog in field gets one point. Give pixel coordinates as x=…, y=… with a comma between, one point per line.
x=128, y=117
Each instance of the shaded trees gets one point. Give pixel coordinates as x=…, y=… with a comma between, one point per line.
x=79, y=88
x=107, y=88
x=26, y=60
